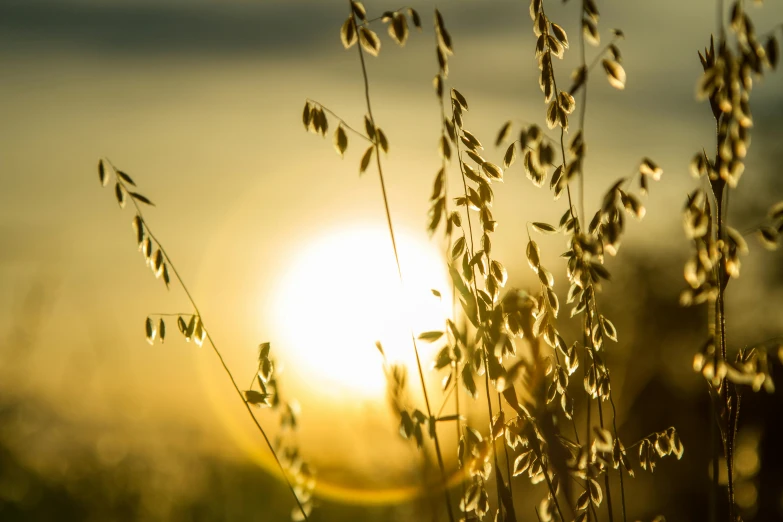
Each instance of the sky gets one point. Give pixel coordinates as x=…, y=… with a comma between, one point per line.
x=201, y=103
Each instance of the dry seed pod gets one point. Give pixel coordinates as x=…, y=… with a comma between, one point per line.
x=370, y=41
x=510, y=156
x=614, y=73
x=590, y=30
x=559, y=34
x=340, y=140
x=398, y=28
x=348, y=33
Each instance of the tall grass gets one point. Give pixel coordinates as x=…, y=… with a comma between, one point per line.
x=507, y=346
x=296, y=473
x=727, y=81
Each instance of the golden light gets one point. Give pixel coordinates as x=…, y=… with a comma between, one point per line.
x=342, y=293
x=335, y=293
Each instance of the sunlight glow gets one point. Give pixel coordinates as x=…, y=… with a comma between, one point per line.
x=342, y=294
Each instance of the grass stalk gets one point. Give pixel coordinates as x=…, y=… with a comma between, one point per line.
x=582, y=113
x=721, y=331
x=620, y=467
x=549, y=484
x=208, y=335
x=589, y=426
x=582, y=106
x=376, y=145
x=606, y=475
x=498, y=474
x=562, y=131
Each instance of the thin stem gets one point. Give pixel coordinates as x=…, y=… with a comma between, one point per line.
x=342, y=121
x=371, y=20
x=399, y=270
x=714, y=431
x=212, y=343
x=446, y=398
x=449, y=232
x=562, y=131
x=614, y=424
x=443, y=167
x=498, y=475
x=459, y=430
x=548, y=480
x=582, y=111
x=620, y=467
x=597, y=58
x=576, y=431
x=715, y=464
x=614, y=427
x=606, y=474
x=475, y=296
x=721, y=326
x=589, y=426
x=721, y=330
x=501, y=413
x=505, y=451
x=557, y=360
x=253, y=379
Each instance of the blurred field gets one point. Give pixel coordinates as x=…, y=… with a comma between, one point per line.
x=201, y=102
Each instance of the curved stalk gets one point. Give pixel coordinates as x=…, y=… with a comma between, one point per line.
x=399, y=269
x=212, y=343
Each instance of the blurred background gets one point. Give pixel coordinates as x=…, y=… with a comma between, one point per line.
x=281, y=241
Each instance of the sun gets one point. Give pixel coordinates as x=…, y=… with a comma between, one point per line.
x=342, y=294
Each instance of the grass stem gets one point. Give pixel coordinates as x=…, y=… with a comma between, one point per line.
x=214, y=347
x=399, y=271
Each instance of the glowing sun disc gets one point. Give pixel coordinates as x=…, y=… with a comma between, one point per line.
x=342, y=293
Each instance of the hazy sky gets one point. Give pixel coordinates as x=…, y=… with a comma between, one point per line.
x=201, y=101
